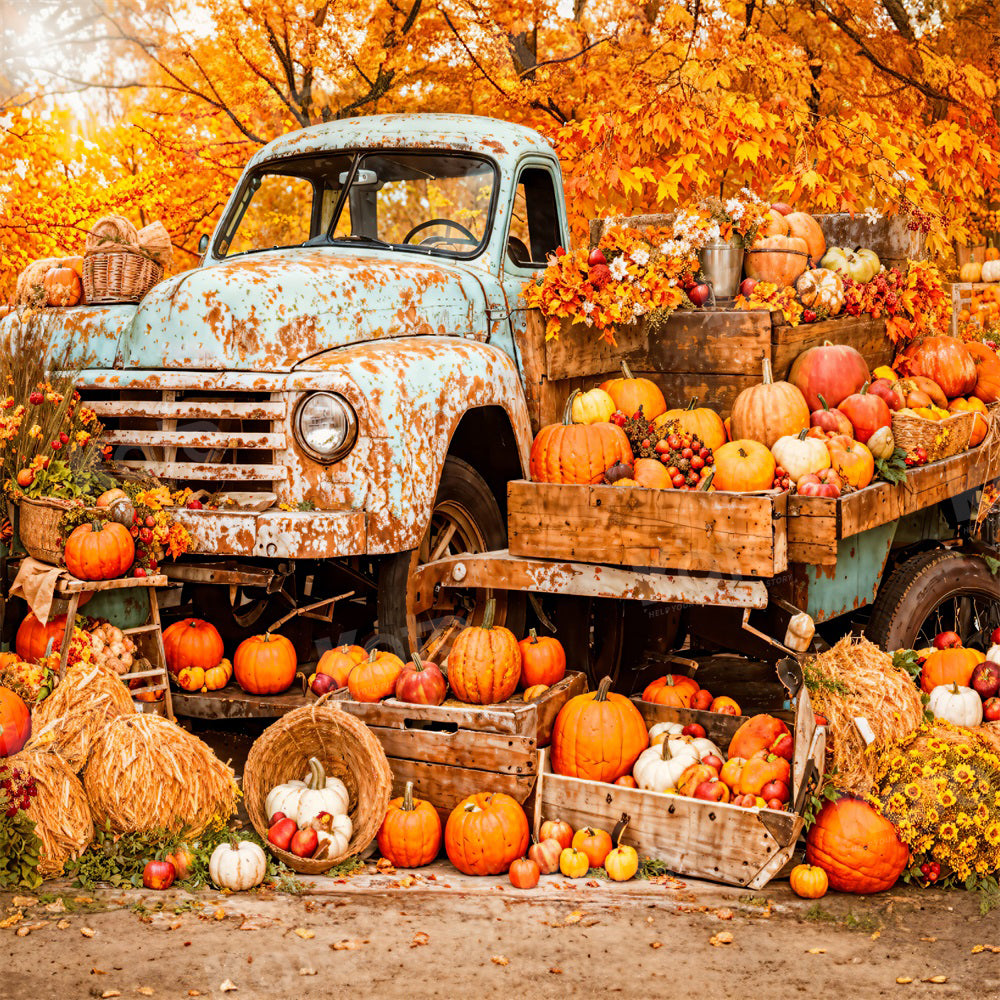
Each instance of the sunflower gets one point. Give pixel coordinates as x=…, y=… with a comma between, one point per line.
x=992, y=834
x=982, y=813
x=912, y=791
x=947, y=798
x=963, y=819
x=963, y=750
x=896, y=803
x=935, y=744
x=968, y=847
x=964, y=774
x=932, y=816
x=948, y=831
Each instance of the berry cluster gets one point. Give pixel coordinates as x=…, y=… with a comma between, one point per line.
x=918, y=457
x=17, y=789
x=686, y=457
x=930, y=870
x=782, y=480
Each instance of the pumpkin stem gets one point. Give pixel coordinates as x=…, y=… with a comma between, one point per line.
x=372, y=655
x=621, y=833
x=767, y=376
x=234, y=844
x=693, y=404
x=533, y=635
x=602, y=689
x=665, y=752
x=954, y=687
x=417, y=662
x=317, y=774
x=491, y=610
x=706, y=481
x=864, y=389
x=568, y=411
x=803, y=433
x=826, y=405
x=407, y=805
x=626, y=371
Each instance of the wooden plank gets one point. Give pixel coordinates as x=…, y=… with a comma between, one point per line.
x=71, y=585
x=462, y=748
x=246, y=440
x=865, y=334
x=719, y=728
x=187, y=409
x=209, y=472
x=813, y=529
x=727, y=533
x=232, y=703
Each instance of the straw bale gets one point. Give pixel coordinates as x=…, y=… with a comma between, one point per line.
x=155, y=240
x=60, y=810
x=145, y=773
x=856, y=678
x=87, y=699
x=30, y=287
x=111, y=232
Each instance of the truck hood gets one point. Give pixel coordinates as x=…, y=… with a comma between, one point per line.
x=271, y=311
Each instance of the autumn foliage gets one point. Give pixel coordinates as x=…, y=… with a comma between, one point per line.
x=831, y=105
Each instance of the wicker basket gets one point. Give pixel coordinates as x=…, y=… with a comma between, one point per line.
x=38, y=525
x=118, y=276
x=939, y=438
x=346, y=748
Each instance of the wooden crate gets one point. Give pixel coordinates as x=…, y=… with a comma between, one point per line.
x=452, y=750
x=711, y=354
x=961, y=298
x=711, y=840
x=741, y=534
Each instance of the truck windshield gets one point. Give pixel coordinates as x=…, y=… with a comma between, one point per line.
x=427, y=202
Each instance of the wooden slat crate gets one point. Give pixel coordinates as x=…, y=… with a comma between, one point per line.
x=452, y=750
x=740, y=534
x=817, y=524
x=711, y=840
x=961, y=298
x=711, y=354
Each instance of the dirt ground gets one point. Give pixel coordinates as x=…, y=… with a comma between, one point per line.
x=437, y=934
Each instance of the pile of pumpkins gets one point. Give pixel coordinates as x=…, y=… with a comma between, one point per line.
x=962, y=685
x=986, y=271
x=309, y=817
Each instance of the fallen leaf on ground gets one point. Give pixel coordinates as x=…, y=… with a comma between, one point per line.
x=649, y=920
x=419, y=939
x=720, y=939
x=593, y=883
x=146, y=991
x=23, y=901
x=307, y=972
x=98, y=972
x=57, y=907
x=228, y=986
x=876, y=935
x=500, y=960
x=11, y=920
x=63, y=924
x=724, y=914
x=345, y=945
x=816, y=951
x=385, y=867
x=574, y=918
x=107, y=994
x=304, y=933
x=83, y=899
x=555, y=971
x=87, y=932
x=23, y=931
x=930, y=940
x=194, y=993
x=655, y=944
x=220, y=914
x=409, y=880
x=935, y=979
x=904, y=980
x=175, y=925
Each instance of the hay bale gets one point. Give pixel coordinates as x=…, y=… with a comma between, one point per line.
x=155, y=240
x=145, y=773
x=855, y=678
x=110, y=233
x=30, y=288
x=87, y=699
x=60, y=810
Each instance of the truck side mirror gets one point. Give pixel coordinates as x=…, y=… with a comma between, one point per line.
x=203, y=243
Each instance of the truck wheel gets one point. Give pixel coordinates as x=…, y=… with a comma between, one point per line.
x=465, y=518
x=936, y=592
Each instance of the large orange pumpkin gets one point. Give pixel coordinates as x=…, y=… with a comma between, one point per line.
x=339, y=662
x=946, y=360
x=699, y=421
x=543, y=660
x=33, y=637
x=629, y=393
x=99, y=551
x=768, y=411
x=859, y=850
x=410, y=835
x=192, y=642
x=375, y=678
x=743, y=466
x=987, y=371
x=777, y=259
x=949, y=666
x=807, y=229
x=15, y=723
x=671, y=689
x=577, y=453
x=598, y=736
x=485, y=833
x=484, y=664
x=265, y=664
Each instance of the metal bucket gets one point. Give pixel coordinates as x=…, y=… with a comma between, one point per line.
x=722, y=267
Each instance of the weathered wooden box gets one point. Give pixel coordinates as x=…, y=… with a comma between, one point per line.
x=711, y=840
x=453, y=750
x=741, y=534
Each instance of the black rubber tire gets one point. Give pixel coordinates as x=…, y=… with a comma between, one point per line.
x=460, y=483
x=921, y=584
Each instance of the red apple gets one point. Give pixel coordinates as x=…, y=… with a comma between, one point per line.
x=712, y=791
x=282, y=832
x=596, y=257
x=783, y=746
x=991, y=709
x=889, y=391
x=985, y=679
x=304, y=842
x=747, y=801
x=995, y=636
x=775, y=804
x=713, y=761
x=275, y=818
x=695, y=730
x=321, y=683
x=702, y=701
x=545, y=854
x=421, y=683
x=947, y=640
x=747, y=285
x=699, y=295
x=776, y=790
x=781, y=208
x=158, y=875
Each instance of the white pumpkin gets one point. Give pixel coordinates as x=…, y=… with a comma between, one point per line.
x=659, y=768
x=333, y=834
x=991, y=270
x=994, y=654
x=882, y=444
x=799, y=455
x=302, y=800
x=960, y=706
x=659, y=731
x=821, y=290
x=237, y=866
x=702, y=745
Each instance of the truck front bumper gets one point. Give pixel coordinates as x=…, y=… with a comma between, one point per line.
x=276, y=534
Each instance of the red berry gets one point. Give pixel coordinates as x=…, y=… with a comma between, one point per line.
x=35, y=398
x=677, y=481
x=674, y=441
x=150, y=521
x=697, y=462
x=138, y=571
x=145, y=535
x=56, y=445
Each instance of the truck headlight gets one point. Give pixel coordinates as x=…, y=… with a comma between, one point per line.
x=325, y=426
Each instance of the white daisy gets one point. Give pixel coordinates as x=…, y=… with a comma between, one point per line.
x=618, y=268
x=640, y=256
x=872, y=215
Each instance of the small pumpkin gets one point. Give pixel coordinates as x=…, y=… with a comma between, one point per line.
x=339, y=662
x=192, y=642
x=949, y=666
x=303, y=800
x=595, y=843
x=851, y=460
x=237, y=866
x=987, y=372
x=410, y=835
x=821, y=290
x=744, y=466
x=421, y=682
x=15, y=722
x=543, y=660
x=629, y=393
x=659, y=768
x=484, y=665
x=698, y=421
x=759, y=732
x=651, y=474
x=800, y=455
x=523, y=873
x=992, y=253
x=882, y=444
x=99, y=551
x=960, y=706
x=190, y=678
x=971, y=272
x=573, y=863
x=671, y=689
x=830, y=421
x=34, y=637
x=808, y=881
x=622, y=862
x=485, y=833
x=375, y=678
x=558, y=830
x=866, y=412
x=63, y=287
x=592, y=407
x=217, y=677
x=534, y=692
x=768, y=411
x=265, y=664
x=545, y=854
x=991, y=270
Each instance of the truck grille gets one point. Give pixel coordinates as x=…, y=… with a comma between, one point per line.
x=202, y=439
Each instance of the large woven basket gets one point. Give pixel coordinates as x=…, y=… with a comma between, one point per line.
x=38, y=525
x=939, y=438
x=346, y=748
x=118, y=276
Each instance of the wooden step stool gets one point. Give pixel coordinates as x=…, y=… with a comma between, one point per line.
x=148, y=638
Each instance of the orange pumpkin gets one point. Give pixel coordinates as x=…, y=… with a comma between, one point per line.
x=157, y=693
x=484, y=665
x=949, y=666
x=543, y=661
x=851, y=460
x=698, y=421
x=943, y=359
x=99, y=551
x=859, y=850
x=743, y=466
x=992, y=253
x=108, y=497
x=626, y=781
x=629, y=393
x=217, y=677
x=192, y=642
x=777, y=259
x=808, y=881
x=577, y=453
x=33, y=637
x=339, y=662
x=774, y=225
x=987, y=372
x=63, y=287
x=671, y=689
x=768, y=411
x=15, y=722
x=190, y=678
x=485, y=833
x=595, y=843
x=375, y=678
x=651, y=474
x=971, y=272
x=981, y=425
x=724, y=705
x=534, y=692
x=807, y=229
x=598, y=736
x=265, y=664
x=410, y=835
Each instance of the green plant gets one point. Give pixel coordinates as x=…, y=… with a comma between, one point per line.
x=893, y=469
x=907, y=659
x=20, y=845
x=825, y=792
